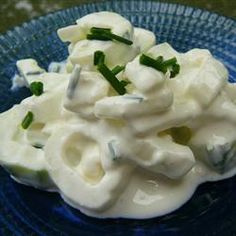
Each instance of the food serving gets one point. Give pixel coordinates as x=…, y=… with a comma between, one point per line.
x=124, y=127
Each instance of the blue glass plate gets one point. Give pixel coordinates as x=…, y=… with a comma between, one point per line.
x=26, y=211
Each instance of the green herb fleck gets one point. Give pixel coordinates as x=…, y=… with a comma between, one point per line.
x=175, y=70
x=98, y=37
x=98, y=30
x=105, y=34
x=36, y=88
x=119, y=39
x=125, y=82
x=150, y=62
x=99, y=58
x=111, y=78
x=117, y=69
x=161, y=65
x=28, y=119
x=34, y=73
x=160, y=59
x=170, y=62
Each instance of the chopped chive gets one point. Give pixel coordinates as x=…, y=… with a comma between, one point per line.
x=28, y=119
x=36, y=88
x=98, y=30
x=175, y=70
x=120, y=39
x=74, y=81
x=160, y=64
x=111, y=78
x=112, y=150
x=125, y=82
x=160, y=59
x=148, y=61
x=38, y=145
x=170, y=62
x=117, y=69
x=99, y=58
x=134, y=97
x=34, y=73
x=105, y=34
x=98, y=37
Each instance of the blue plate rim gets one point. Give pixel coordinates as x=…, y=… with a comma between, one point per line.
x=187, y=7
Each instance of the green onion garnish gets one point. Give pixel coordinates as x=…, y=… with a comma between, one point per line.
x=160, y=59
x=34, y=73
x=110, y=75
x=125, y=82
x=112, y=150
x=28, y=119
x=105, y=34
x=148, y=61
x=120, y=39
x=111, y=78
x=170, y=62
x=37, y=145
x=95, y=30
x=99, y=58
x=36, y=88
x=117, y=69
x=98, y=37
x=175, y=70
x=161, y=65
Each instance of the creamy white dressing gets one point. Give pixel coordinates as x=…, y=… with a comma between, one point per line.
x=148, y=194
x=137, y=155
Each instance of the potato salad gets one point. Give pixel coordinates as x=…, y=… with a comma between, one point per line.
x=125, y=127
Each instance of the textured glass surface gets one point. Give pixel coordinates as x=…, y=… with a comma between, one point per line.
x=26, y=211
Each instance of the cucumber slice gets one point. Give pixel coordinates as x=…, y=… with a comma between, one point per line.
x=215, y=145
x=36, y=178
x=222, y=157
x=82, y=168
x=155, y=154
x=25, y=162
